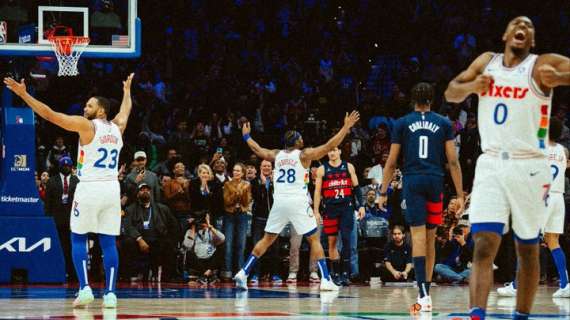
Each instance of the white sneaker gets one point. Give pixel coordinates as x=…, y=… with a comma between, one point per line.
x=562, y=292
x=241, y=280
x=421, y=305
x=328, y=285
x=84, y=297
x=507, y=291
x=314, y=277
x=292, y=278
x=328, y=297
x=110, y=301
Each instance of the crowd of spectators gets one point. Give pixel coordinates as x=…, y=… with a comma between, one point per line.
x=194, y=197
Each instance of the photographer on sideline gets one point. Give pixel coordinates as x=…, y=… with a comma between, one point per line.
x=201, y=242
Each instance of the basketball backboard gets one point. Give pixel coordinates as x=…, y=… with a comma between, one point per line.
x=112, y=25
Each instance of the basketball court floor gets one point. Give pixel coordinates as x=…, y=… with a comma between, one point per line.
x=178, y=301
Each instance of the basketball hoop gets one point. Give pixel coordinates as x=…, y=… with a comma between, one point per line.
x=68, y=49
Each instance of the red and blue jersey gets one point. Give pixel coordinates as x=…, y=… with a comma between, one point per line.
x=337, y=185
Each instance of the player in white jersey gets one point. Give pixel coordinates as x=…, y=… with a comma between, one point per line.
x=96, y=206
x=554, y=224
x=291, y=199
x=512, y=175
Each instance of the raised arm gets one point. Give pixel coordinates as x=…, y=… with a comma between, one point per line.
x=265, y=154
x=77, y=124
x=456, y=176
x=552, y=70
x=310, y=154
x=122, y=117
x=470, y=81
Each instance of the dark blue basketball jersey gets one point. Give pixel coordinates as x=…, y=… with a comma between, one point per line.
x=422, y=136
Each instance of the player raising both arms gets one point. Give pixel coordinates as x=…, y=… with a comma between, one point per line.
x=512, y=176
x=291, y=177
x=97, y=204
x=425, y=138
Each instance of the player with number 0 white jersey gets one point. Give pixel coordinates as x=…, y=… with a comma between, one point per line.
x=96, y=206
x=291, y=198
x=512, y=176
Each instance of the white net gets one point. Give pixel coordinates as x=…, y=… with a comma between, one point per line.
x=68, y=49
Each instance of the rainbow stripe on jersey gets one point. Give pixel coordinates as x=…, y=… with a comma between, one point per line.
x=543, y=127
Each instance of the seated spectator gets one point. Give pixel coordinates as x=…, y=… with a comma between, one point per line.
x=454, y=257
x=150, y=232
x=177, y=196
x=398, y=258
x=450, y=218
x=375, y=230
x=201, y=242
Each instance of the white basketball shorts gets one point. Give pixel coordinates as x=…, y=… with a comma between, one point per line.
x=506, y=187
x=97, y=208
x=555, y=213
x=291, y=209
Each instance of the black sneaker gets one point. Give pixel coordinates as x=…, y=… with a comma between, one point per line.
x=344, y=280
x=203, y=280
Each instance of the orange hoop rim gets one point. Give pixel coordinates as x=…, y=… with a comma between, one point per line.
x=66, y=43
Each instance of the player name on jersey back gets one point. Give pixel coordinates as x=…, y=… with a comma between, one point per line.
x=289, y=176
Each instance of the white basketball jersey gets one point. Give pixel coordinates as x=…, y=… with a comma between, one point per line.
x=99, y=160
x=290, y=177
x=514, y=114
x=557, y=160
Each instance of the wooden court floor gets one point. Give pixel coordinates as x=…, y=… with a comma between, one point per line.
x=178, y=301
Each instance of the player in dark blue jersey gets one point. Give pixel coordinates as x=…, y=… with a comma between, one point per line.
x=425, y=139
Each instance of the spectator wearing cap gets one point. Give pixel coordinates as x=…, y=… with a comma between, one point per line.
x=140, y=174
x=60, y=190
x=151, y=232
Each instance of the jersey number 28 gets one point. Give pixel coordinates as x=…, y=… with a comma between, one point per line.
x=286, y=176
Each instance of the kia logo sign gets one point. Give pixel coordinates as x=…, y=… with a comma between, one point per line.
x=18, y=244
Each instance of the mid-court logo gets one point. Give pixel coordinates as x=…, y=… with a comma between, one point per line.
x=20, y=163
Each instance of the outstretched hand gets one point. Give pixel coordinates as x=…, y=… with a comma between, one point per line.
x=351, y=119
x=18, y=88
x=127, y=83
x=246, y=128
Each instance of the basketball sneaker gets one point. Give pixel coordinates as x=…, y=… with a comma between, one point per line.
x=110, y=301
x=241, y=280
x=421, y=305
x=84, y=297
x=562, y=292
x=507, y=291
x=292, y=278
x=314, y=277
x=328, y=285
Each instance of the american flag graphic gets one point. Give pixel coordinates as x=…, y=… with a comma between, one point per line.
x=120, y=40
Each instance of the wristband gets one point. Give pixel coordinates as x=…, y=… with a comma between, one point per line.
x=246, y=137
